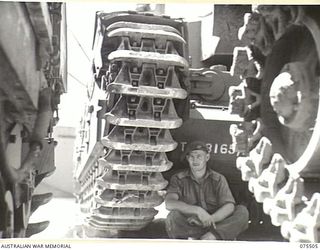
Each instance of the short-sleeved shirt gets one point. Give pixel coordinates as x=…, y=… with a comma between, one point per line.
x=211, y=193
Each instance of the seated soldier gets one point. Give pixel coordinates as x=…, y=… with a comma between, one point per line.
x=200, y=202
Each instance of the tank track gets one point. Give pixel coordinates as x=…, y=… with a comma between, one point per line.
x=141, y=64
x=278, y=142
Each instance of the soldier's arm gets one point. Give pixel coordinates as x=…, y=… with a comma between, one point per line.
x=173, y=203
x=223, y=212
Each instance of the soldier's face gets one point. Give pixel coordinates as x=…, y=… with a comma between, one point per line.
x=198, y=160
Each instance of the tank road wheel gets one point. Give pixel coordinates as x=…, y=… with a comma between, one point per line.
x=22, y=214
x=6, y=212
x=9, y=233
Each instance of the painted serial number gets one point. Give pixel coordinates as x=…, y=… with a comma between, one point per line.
x=215, y=148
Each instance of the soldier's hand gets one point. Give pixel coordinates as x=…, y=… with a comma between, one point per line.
x=194, y=221
x=213, y=224
x=204, y=217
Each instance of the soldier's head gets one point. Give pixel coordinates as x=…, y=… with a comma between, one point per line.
x=197, y=155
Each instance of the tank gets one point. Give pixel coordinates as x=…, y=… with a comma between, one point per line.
x=143, y=105
x=257, y=114
x=33, y=76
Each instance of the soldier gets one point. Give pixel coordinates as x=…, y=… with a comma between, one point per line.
x=200, y=202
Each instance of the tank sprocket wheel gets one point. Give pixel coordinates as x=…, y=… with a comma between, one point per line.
x=290, y=111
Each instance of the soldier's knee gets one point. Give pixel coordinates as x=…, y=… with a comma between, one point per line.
x=243, y=211
x=171, y=223
x=173, y=216
x=242, y=214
